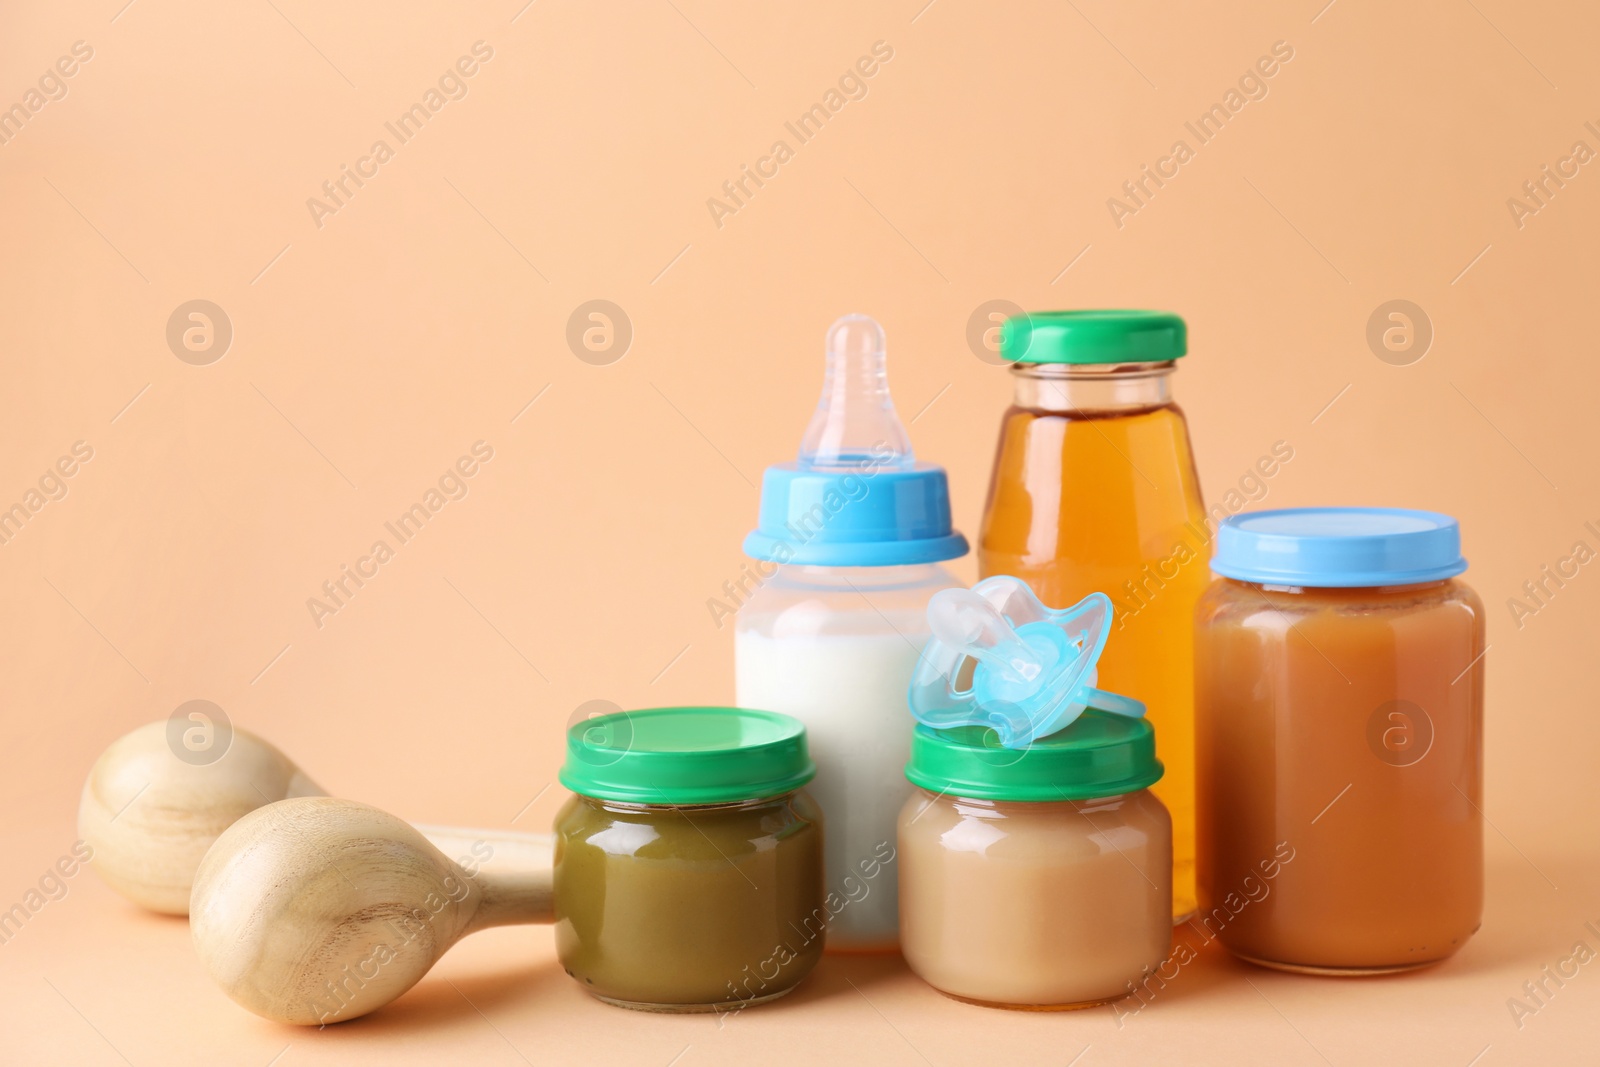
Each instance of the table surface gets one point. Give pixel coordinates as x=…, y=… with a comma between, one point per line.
x=91, y=979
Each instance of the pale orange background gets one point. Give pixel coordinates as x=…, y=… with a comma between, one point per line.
x=370, y=353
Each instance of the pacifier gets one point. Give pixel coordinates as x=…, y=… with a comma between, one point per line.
x=1032, y=667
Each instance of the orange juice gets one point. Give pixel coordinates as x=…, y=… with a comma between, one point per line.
x=1094, y=488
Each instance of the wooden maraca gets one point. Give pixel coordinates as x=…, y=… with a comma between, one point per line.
x=315, y=910
x=150, y=815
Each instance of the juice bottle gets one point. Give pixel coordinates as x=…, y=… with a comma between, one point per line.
x=848, y=545
x=1094, y=488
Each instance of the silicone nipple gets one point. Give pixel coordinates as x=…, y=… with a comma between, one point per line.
x=1033, y=667
x=855, y=420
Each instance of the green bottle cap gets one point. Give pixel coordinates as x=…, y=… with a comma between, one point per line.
x=1093, y=337
x=1099, y=755
x=675, y=756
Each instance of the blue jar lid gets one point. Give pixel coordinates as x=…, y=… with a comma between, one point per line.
x=1339, y=547
x=869, y=517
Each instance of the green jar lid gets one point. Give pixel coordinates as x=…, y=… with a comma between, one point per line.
x=1099, y=755
x=687, y=756
x=1093, y=337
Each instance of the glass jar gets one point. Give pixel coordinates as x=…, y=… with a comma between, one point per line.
x=1037, y=878
x=688, y=864
x=1094, y=489
x=1340, y=727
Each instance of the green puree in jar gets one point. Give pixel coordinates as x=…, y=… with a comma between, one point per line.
x=688, y=867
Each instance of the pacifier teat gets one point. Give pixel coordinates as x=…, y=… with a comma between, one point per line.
x=1032, y=667
x=855, y=420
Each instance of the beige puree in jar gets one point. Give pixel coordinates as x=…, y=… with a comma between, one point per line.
x=1036, y=905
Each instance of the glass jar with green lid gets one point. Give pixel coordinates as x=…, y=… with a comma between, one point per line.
x=1037, y=878
x=688, y=863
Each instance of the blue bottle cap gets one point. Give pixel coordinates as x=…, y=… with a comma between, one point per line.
x=856, y=496
x=1339, y=547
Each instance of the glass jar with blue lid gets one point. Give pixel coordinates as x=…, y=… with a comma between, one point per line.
x=1339, y=666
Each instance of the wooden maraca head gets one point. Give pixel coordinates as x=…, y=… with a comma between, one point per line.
x=150, y=815
x=316, y=910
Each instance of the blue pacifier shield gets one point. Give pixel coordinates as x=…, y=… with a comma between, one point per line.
x=1032, y=668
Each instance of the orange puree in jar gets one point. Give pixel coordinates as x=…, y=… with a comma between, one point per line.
x=1340, y=741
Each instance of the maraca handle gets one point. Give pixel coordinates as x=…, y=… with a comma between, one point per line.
x=513, y=870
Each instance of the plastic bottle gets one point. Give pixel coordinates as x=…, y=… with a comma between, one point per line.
x=850, y=538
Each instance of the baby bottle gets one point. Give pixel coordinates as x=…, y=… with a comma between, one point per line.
x=849, y=539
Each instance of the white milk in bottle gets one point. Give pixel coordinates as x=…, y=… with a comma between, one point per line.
x=849, y=542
